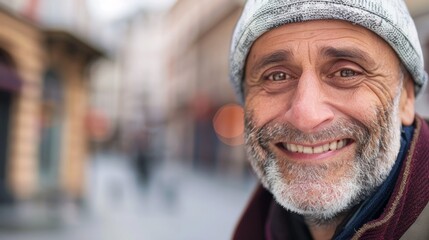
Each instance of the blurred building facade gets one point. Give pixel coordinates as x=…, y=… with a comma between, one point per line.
x=197, y=83
x=142, y=97
x=174, y=77
x=44, y=99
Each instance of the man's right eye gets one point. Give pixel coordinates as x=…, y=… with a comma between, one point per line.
x=277, y=76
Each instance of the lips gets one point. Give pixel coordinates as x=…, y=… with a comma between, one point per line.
x=305, y=149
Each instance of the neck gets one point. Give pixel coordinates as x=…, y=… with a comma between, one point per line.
x=323, y=230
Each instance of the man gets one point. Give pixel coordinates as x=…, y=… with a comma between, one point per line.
x=328, y=88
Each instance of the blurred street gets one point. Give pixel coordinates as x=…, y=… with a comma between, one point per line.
x=175, y=203
x=118, y=119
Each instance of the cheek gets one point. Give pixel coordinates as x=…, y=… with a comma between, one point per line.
x=365, y=103
x=361, y=110
x=264, y=109
x=266, y=106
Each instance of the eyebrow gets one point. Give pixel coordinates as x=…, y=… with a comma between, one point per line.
x=274, y=57
x=347, y=53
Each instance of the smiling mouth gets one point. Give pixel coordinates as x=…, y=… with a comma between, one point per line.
x=330, y=146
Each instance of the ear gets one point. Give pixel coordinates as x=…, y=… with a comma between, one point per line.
x=406, y=104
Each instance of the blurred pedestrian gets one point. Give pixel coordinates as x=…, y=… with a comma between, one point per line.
x=142, y=158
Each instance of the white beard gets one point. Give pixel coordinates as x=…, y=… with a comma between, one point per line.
x=309, y=193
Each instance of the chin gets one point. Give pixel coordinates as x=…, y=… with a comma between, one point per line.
x=318, y=199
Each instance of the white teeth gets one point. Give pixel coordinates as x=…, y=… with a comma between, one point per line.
x=340, y=144
x=336, y=145
x=333, y=146
x=293, y=148
x=326, y=147
x=318, y=149
x=308, y=150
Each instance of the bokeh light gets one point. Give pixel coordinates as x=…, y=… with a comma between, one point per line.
x=229, y=124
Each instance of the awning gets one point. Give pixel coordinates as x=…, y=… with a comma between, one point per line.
x=9, y=79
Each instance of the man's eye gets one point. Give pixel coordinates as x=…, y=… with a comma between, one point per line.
x=278, y=76
x=347, y=73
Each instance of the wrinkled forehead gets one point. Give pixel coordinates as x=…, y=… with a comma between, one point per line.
x=335, y=38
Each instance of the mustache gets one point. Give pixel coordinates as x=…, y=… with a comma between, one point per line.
x=283, y=132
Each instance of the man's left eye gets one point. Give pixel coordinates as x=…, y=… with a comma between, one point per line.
x=347, y=73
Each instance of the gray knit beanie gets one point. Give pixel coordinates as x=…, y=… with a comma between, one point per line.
x=389, y=19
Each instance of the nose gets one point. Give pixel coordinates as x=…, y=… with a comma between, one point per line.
x=308, y=110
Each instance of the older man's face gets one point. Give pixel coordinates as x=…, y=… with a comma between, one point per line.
x=324, y=104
